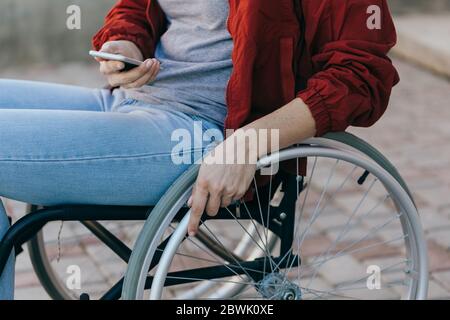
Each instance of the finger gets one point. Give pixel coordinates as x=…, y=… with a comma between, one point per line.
x=138, y=83
x=155, y=70
x=189, y=202
x=240, y=194
x=145, y=79
x=110, y=67
x=213, y=205
x=226, y=201
x=127, y=77
x=199, y=199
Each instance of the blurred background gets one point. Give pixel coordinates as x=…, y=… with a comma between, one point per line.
x=34, y=32
x=413, y=134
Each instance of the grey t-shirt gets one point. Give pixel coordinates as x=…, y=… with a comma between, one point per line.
x=195, y=54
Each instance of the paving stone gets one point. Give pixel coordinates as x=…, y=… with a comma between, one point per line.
x=435, y=197
x=369, y=249
x=113, y=269
x=99, y=252
x=333, y=220
x=341, y=269
x=432, y=220
x=440, y=236
x=439, y=257
x=314, y=288
x=365, y=294
x=392, y=238
x=90, y=272
x=436, y=291
x=31, y=293
x=26, y=279
x=23, y=262
x=353, y=234
x=443, y=278
x=315, y=245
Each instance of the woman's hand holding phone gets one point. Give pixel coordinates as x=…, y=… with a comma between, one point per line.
x=114, y=70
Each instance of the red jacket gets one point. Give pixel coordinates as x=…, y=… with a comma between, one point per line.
x=319, y=50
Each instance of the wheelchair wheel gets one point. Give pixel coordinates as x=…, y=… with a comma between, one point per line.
x=45, y=272
x=353, y=233
x=58, y=248
x=51, y=257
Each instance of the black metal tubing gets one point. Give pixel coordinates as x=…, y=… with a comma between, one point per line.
x=283, y=228
x=214, y=247
x=27, y=227
x=116, y=290
x=216, y=272
x=288, y=207
x=253, y=268
x=109, y=239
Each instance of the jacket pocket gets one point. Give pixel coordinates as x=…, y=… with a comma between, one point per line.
x=287, y=75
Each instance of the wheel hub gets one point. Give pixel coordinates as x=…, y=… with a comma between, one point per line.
x=276, y=286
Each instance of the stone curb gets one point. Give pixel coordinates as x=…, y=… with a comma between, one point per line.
x=425, y=40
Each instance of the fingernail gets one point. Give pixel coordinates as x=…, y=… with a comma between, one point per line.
x=191, y=234
x=148, y=63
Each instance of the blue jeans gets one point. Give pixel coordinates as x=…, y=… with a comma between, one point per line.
x=70, y=145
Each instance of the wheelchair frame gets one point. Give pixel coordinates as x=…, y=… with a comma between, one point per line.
x=28, y=226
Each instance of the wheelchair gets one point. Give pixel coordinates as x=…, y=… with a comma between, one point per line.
x=343, y=226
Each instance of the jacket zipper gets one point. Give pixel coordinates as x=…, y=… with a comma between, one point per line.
x=301, y=41
x=232, y=71
x=150, y=20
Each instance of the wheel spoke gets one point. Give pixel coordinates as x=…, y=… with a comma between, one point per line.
x=345, y=229
x=262, y=219
x=317, y=212
x=343, y=252
x=360, y=234
x=223, y=246
x=211, y=255
x=252, y=238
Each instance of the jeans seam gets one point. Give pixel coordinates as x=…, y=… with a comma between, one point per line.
x=110, y=157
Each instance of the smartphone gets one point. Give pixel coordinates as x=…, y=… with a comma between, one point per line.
x=128, y=62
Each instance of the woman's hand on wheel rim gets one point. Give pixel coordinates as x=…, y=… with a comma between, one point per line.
x=217, y=185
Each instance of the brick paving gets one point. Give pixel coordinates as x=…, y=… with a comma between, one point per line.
x=413, y=135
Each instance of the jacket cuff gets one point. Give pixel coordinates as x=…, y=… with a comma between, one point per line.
x=316, y=104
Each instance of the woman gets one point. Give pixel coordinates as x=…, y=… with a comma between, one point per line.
x=302, y=67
